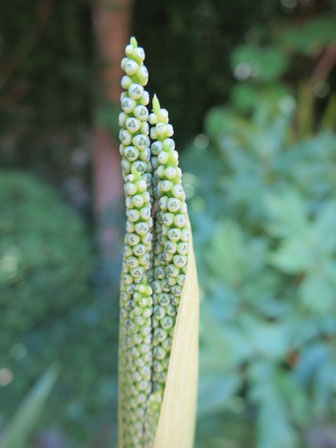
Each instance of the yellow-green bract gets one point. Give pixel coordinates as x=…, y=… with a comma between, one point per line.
x=158, y=343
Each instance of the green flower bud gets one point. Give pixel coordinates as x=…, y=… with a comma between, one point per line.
x=169, y=144
x=130, y=289
x=122, y=118
x=130, y=189
x=144, y=260
x=131, y=67
x=168, y=218
x=159, y=272
x=161, y=129
x=132, y=262
x=141, y=228
x=173, y=204
x=171, y=247
x=138, y=200
x=174, y=234
x=125, y=137
x=139, y=250
x=126, y=166
x=137, y=272
x=139, y=54
x=147, y=238
x=160, y=334
x=160, y=172
x=135, y=91
x=153, y=134
x=157, y=286
x=177, y=290
x=169, y=130
x=123, y=63
x=172, y=280
x=185, y=235
x=141, y=141
x=173, y=269
x=164, y=299
x=159, y=312
x=133, y=239
x=129, y=50
x=143, y=76
x=167, y=322
x=139, y=166
x=145, y=155
x=139, y=320
x=165, y=186
x=136, y=312
x=180, y=261
x=163, y=157
x=131, y=153
x=159, y=352
x=127, y=279
x=161, y=377
x=145, y=212
x=156, y=148
x=171, y=311
x=163, y=203
x=140, y=112
x=141, y=185
x=144, y=348
x=144, y=128
x=158, y=366
x=128, y=202
x=126, y=81
x=163, y=116
x=133, y=125
x=128, y=105
x=182, y=249
x=153, y=119
x=145, y=98
x=180, y=220
x=167, y=343
x=170, y=172
x=144, y=302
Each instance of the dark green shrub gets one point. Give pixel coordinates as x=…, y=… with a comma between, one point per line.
x=49, y=313
x=198, y=74
x=44, y=254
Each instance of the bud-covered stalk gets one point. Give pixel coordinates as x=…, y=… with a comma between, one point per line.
x=156, y=289
x=171, y=246
x=136, y=303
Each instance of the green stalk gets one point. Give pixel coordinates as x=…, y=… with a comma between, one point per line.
x=155, y=262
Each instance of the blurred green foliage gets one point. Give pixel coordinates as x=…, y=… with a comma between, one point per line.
x=261, y=185
x=45, y=259
x=262, y=203
x=18, y=431
x=48, y=313
x=45, y=84
x=196, y=37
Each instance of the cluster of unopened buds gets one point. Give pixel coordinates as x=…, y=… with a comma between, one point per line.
x=156, y=251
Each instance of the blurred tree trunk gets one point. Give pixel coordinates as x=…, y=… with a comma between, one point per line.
x=111, y=25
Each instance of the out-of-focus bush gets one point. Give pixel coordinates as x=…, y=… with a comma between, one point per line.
x=45, y=258
x=262, y=202
x=197, y=75
x=45, y=86
x=17, y=433
x=49, y=313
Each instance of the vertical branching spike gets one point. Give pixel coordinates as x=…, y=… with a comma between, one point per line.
x=136, y=307
x=155, y=265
